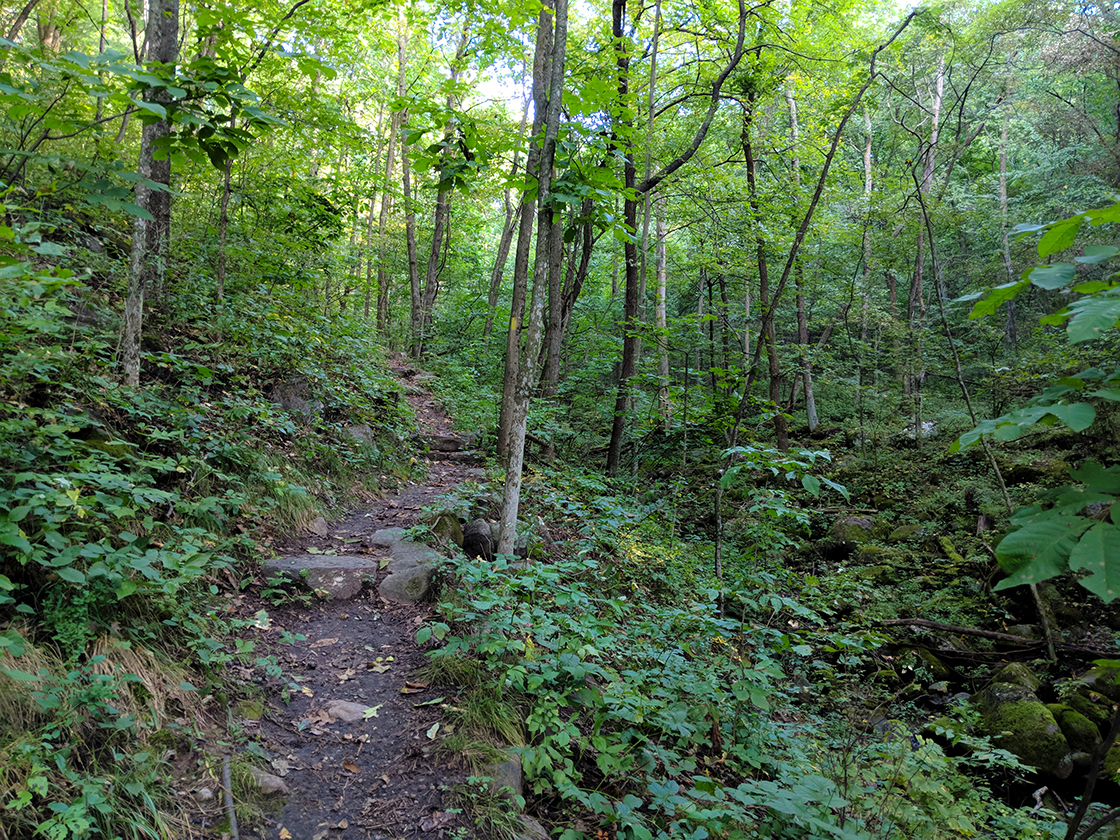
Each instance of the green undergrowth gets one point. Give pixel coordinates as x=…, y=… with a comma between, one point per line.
x=649, y=714
x=125, y=511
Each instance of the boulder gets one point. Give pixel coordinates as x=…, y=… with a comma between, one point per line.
x=507, y=775
x=1019, y=722
x=906, y=532
x=1088, y=704
x=319, y=527
x=1016, y=673
x=295, y=395
x=362, y=433
x=345, y=711
x=853, y=529
x=1103, y=679
x=1081, y=733
x=335, y=578
x=408, y=586
x=446, y=529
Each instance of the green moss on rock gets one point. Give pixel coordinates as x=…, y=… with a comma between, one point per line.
x=1081, y=733
x=1020, y=723
x=1016, y=673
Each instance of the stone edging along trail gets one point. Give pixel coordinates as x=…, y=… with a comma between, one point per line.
x=354, y=751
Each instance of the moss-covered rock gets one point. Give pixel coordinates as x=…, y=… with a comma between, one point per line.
x=1095, y=710
x=1016, y=673
x=853, y=529
x=1081, y=733
x=934, y=665
x=1112, y=763
x=1103, y=679
x=1019, y=722
x=905, y=532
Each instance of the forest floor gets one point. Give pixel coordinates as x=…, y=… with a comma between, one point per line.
x=379, y=777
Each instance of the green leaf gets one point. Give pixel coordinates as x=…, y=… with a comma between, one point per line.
x=1059, y=237
x=1097, y=254
x=1098, y=552
x=70, y=574
x=1078, y=416
x=1092, y=316
x=998, y=296
x=1051, y=276
x=423, y=634
x=812, y=484
x=1038, y=551
x=1098, y=479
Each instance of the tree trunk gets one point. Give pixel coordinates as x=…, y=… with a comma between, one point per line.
x=509, y=227
x=410, y=239
x=552, y=41
x=630, y=205
x=1010, y=340
x=441, y=216
x=799, y=277
x=664, y=406
x=223, y=229
x=768, y=337
x=384, y=278
x=150, y=238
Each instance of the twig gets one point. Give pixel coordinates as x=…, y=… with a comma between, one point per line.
x=227, y=796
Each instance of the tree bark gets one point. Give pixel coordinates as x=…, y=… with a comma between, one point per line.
x=553, y=35
x=509, y=227
x=630, y=206
x=150, y=238
x=664, y=406
x=384, y=278
x=441, y=216
x=799, y=276
x=410, y=234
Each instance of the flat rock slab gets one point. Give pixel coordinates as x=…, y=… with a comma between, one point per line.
x=410, y=570
x=335, y=577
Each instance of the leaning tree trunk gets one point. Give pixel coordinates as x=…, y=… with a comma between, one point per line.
x=552, y=37
x=799, y=277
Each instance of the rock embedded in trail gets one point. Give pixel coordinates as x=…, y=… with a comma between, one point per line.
x=332, y=577
x=410, y=570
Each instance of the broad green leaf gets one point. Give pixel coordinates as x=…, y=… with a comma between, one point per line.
x=1104, y=215
x=812, y=484
x=1092, y=316
x=1059, y=237
x=1098, y=479
x=1051, y=276
x=1078, y=416
x=998, y=296
x=1038, y=551
x=1098, y=552
x=1097, y=254
x=69, y=573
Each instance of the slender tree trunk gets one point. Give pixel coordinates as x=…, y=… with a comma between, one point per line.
x=410, y=239
x=1010, y=340
x=150, y=238
x=384, y=278
x=664, y=406
x=223, y=229
x=768, y=337
x=509, y=227
x=554, y=38
x=647, y=197
x=630, y=205
x=799, y=277
x=441, y=216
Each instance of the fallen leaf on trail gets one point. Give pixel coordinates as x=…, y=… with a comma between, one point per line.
x=393, y=504
x=324, y=642
x=342, y=825
x=281, y=766
x=285, y=834
x=427, y=703
x=372, y=711
x=437, y=820
x=385, y=561
x=377, y=667
x=313, y=550
x=351, y=766
x=348, y=674
x=431, y=733
x=306, y=692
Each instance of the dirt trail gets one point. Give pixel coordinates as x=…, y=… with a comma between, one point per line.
x=377, y=776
